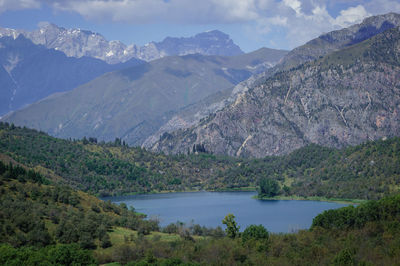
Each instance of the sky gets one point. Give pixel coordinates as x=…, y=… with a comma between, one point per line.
x=252, y=24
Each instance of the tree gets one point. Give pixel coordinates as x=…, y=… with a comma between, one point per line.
x=268, y=187
x=232, y=229
x=86, y=241
x=256, y=232
x=70, y=254
x=105, y=241
x=85, y=141
x=344, y=257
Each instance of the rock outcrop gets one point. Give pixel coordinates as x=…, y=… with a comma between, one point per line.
x=344, y=98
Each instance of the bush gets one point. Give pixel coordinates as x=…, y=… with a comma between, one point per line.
x=256, y=232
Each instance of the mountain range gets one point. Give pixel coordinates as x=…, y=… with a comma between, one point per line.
x=348, y=95
x=336, y=90
x=30, y=72
x=134, y=103
x=79, y=43
x=312, y=50
x=34, y=65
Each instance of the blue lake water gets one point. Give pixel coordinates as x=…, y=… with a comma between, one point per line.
x=209, y=208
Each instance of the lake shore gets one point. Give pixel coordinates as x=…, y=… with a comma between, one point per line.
x=251, y=189
x=243, y=189
x=313, y=198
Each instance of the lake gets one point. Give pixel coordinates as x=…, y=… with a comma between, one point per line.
x=209, y=208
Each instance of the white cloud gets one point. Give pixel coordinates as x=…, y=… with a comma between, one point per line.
x=294, y=4
x=18, y=4
x=351, y=16
x=236, y=10
x=278, y=21
x=301, y=20
x=310, y=22
x=304, y=27
x=383, y=6
x=177, y=11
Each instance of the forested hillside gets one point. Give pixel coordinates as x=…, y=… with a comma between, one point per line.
x=367, y=171
x=374, y=239
x=43, y=224
x=59, y=224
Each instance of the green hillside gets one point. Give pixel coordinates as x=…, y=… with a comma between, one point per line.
x=367, y=171
x=107, y=168
x=51, y=225
x=374, y=240
x=53, y=219
x=43, y=221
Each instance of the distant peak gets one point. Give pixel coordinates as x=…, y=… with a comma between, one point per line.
x=46, y=24
x=212, y=33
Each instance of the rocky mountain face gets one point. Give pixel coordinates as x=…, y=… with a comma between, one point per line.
x=344, y=98
x=134, y=103
x=319, y=47
x=190, y=115
x=30, y=72
x=78, y=43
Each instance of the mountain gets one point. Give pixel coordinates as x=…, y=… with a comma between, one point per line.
x=134, y=103
x=78, y=43
x=336, y=40
x=347, y=97
x=314, y=49
x=30, y=72
x=193, y=113
x=207, y=43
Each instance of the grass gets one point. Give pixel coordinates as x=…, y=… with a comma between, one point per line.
x=288, y=181
x=120, y=236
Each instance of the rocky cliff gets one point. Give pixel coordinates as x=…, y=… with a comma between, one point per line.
x=344, y=98
x=312, y=50
x=190, y=115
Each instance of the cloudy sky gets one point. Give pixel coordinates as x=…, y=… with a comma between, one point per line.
x=250, y=23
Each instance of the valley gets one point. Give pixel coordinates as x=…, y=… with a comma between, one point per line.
x=54, y=220
x=116, y=169
x=190, y=151
x=133, y=103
